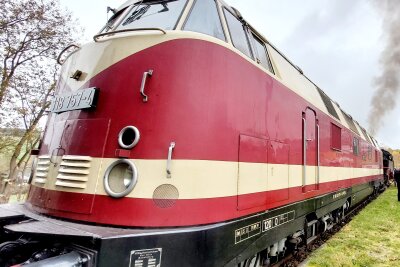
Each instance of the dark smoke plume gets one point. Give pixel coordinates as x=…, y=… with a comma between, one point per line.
x=387, y=84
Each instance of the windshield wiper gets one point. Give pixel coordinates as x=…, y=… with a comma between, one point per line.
x=152, y=2
x=137, y=14
x=165, y=9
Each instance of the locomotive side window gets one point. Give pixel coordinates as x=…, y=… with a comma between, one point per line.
x=238, y=33
x=336, y=137
x=204, y=18
x=261, y=54
x=363, y=151
x=146, y=14
x=369, y=152
x=355, y=146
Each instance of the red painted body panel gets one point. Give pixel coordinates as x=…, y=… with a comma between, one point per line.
x=202, y=96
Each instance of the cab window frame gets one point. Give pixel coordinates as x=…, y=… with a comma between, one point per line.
x=356, y=146
x=245, y=30
x=256, y=38
x=129, y=9
x=114, y=21
x=221, y=19
x=369, y=152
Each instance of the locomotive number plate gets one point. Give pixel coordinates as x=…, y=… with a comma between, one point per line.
x=257, y=228
x=277, y=220
x=82, y=99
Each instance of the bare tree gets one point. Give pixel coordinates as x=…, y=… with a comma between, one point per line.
x=30, y=30
x=30, y=101
x=32, y=34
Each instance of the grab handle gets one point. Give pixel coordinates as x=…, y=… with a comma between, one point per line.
x=146, y=74
x=63, y=51
x=170, y=149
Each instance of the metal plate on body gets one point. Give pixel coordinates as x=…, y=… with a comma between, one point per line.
x=81, y=99
x=146, y=258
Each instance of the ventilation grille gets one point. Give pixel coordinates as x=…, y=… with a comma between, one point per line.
x=350, y=122
x=328, y=104
x=165, y=195
x=366, y=136
x=42, y=170
x=74, y=172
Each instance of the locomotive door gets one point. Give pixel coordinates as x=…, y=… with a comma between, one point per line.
x=252, y=172
x=310, y=151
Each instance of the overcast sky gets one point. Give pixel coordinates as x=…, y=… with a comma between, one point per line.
x=337, y=43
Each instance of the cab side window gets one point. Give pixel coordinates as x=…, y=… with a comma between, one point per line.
x=238, y=33
x=260, y=53
x=204, y=18
x=355, y=146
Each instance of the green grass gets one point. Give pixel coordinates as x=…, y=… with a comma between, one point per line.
x=372, y=238
x=14, y=199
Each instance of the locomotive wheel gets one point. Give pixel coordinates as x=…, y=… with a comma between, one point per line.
x=253, y=261
x=9, y=253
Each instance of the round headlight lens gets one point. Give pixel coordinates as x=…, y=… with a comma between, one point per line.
x=120, y=178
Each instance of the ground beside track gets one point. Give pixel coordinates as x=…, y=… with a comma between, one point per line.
x=372, y=238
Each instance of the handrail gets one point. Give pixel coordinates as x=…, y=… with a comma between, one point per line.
x=63, y=51
x=95, y=38
x=169, y=159
x=304, y=154
x=318, y=159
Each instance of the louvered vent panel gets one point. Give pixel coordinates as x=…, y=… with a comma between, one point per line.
x=42, y=170
x=74, y=172
x=328, y=104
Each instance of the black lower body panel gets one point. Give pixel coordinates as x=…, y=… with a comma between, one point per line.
x=221, y=244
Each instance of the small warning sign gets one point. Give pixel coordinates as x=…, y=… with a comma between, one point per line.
x=146, y=258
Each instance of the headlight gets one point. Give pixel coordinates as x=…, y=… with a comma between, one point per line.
x=120, y=178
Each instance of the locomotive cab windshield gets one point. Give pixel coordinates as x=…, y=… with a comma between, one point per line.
x=203, y=17
x=148, y=14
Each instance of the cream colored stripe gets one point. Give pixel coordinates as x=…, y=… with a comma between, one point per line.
x=209, y=179
x=95, y=57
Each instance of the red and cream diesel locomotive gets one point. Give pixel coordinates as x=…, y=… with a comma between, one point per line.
x=182, y=137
